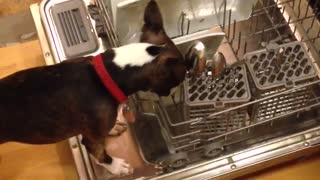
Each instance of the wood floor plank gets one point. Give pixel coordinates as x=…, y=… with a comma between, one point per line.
x=22, y=161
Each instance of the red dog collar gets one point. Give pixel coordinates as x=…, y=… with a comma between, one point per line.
x=107, y=81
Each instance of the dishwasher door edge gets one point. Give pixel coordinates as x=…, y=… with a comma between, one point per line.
x=79, y=153
x=251, y=159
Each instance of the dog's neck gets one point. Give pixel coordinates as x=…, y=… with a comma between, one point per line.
x=129, y=79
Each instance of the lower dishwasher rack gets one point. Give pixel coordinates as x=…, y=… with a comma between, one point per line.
x=273, y=126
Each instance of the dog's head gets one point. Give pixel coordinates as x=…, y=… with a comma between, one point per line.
x=168, y=69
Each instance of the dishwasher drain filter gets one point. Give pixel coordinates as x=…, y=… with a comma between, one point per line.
x=286, y=65
x=230, y=87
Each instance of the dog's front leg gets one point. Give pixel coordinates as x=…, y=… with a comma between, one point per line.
x=121, y=123
x=118, y=128
x=114, y=165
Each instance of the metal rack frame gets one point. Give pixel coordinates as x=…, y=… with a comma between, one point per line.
x=286, y=27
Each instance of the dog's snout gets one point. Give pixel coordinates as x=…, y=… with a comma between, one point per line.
x=173, y=91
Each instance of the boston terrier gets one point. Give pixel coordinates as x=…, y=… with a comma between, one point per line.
x=81, y=96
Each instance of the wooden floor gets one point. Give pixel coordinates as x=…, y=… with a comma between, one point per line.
x=303, y=169
x=24, y=162
x=21, y=161
x=27, y=162
x=9, y=7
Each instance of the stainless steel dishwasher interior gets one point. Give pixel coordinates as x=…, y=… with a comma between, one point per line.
x=262, y=107
x=185, y=134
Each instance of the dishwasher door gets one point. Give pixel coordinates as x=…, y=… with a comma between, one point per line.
x=262, y=111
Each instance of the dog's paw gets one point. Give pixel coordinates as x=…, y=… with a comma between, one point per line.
x=118, y=167
x=118, y=128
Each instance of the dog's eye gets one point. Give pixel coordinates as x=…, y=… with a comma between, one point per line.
x=154, y=50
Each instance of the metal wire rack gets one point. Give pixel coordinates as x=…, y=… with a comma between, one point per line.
x=278, y=21
x=209, y=130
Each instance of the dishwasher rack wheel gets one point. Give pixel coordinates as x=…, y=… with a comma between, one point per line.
x=213, y=150
x=177, y=161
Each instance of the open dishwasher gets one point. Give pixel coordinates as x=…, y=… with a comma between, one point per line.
x=261, y=110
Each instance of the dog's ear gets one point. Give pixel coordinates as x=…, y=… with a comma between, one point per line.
x=152, y=17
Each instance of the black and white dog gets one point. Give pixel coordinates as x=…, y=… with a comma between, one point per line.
x=52, y=103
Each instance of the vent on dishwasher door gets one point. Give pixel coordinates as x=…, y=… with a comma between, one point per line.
x=74, y=28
